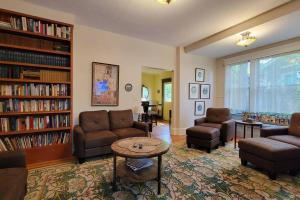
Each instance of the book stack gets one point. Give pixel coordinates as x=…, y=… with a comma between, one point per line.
x=4, y=24
x=33, y=89
x=139, y=164
x=25, y=142
x=17, y=105
x=37, y=26
x=34, y=122
x=33, y=58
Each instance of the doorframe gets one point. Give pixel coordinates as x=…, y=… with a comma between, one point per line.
x=163, y=81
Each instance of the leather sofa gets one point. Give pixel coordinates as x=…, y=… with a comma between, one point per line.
x=219, y=118
x=97, y=130
x=13, y=175
x=277, y=151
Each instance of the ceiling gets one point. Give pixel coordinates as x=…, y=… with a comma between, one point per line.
x=177, y=24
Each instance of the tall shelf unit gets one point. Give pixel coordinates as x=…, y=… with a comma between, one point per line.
x=36, y=86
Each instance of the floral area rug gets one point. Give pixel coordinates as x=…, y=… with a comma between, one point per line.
x=187, y=174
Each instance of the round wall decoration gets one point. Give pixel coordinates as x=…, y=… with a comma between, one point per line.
x=128, y=87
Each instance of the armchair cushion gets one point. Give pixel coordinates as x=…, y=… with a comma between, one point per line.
x=290, y=139
x=199, y=121
x=218, y=115
x=12, y=159
x=213, y=125
x=269, y=131
x=129, y=132
x=94, y=120
x=99, y=138
x=294, y=128
x=120, y=119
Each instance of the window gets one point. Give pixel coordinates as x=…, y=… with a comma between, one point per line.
x=167, y=92
x=145, y=93
x=237, y=87
x=271, y=85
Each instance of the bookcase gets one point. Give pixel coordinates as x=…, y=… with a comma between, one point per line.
x=36, y=86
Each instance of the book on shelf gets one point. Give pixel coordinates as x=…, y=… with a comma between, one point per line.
x=17, y=105
x=4, y=24
x=139, y=164
x=34, y=122
x=33, y=58
x=33, y=141
x=33, y=89
x=37, y=26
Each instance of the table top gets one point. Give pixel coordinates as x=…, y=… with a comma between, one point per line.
x=151, y=147
x=249, y=123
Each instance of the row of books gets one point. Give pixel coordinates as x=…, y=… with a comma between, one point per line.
x=32, y=141
x=16, y=105
x=268, y=118
x=33, y=58
x=17, y=72
x=34, y=122
x=37, y=26
x=33, y=89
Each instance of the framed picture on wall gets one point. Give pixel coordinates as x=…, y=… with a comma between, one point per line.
x=199, y=75
x=194, y=91
x=105, y=84
x=199, y=108
x=205, y=91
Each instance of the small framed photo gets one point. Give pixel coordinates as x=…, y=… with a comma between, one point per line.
x=205, y=91
x=199, y=108
x=199, y=75
x=194, y=91
x=128, y=87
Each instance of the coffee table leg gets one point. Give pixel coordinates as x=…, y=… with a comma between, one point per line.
x=114, y=183
x=235, y=136
x=159, y=175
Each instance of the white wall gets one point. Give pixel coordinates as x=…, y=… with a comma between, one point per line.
x=188, y=63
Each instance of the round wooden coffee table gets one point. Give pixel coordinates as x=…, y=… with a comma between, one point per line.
x=129, y=148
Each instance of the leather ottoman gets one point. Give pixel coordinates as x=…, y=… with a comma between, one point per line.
x=271, y=155
x=206, y=137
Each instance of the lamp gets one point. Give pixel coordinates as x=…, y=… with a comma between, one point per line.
x=246, y=39
x=164, y=1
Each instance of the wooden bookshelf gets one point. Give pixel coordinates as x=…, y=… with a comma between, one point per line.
x=18, y=40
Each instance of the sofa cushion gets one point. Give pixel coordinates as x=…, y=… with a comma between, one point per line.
x=213, y=125
x=120, y=119
x=290, y=139
x=269, y=149
x=94, y=120
x=129, y=132
x=218, y=115
x=202, y=132
x=13, y=183
x=294, y=128
x=99, y=139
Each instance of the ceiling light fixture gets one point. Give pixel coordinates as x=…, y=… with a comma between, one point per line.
x=164, y=1
x=246, y=39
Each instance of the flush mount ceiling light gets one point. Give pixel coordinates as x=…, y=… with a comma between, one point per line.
x=164, y=1
x=246, y=39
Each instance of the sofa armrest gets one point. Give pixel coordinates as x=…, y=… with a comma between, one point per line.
x=269, y=131
x=199, y=121
x=79, y=142
x=142, y=126
x=227, y=130
x=10, y=159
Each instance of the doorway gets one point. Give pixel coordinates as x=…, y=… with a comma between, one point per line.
x=167, y=99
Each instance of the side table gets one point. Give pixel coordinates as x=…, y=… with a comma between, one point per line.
x=252, y=125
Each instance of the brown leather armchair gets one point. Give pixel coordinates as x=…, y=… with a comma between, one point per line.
x=13, y=175
x=219, y=118
x=97, y=130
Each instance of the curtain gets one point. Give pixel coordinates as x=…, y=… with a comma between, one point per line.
x=237, y=87
x=276, y=86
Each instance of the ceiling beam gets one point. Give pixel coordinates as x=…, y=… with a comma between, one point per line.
x=269, y=15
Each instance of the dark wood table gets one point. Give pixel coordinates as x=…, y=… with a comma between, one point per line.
x=245, y=124
x=123, y=148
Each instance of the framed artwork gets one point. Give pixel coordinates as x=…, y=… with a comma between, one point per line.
x=199, y=75
x=194, y=91
x=128, y=87
x=199, y=108
x=105, y=84
x=205, y=91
